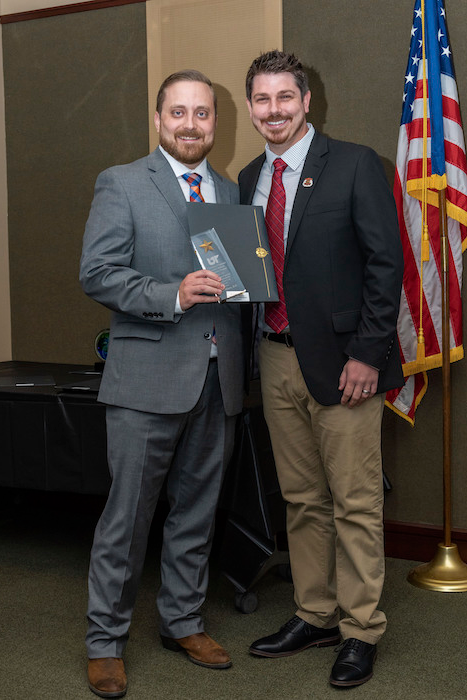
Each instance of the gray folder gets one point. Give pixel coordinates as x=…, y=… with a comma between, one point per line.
x=242, y=231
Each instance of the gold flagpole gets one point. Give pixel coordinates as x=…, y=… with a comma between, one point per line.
x=446, y=571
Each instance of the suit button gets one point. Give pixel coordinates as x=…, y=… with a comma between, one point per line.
x=208, y=336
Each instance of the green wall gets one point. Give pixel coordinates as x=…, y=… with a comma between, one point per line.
x=76, y=103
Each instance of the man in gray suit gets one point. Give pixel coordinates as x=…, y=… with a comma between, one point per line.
x=173, y=382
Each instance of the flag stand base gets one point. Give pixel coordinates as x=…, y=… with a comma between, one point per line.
x=445, y=572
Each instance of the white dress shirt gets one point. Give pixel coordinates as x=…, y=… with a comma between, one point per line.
x=207, y=187
x=295, y=159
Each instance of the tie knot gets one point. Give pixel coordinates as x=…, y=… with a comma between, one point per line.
x=279, y=165
x=193, y=179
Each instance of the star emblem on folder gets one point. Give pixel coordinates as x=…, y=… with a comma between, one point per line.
x=207, y=245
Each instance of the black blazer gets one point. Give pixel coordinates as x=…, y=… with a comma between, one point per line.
x=343, y=265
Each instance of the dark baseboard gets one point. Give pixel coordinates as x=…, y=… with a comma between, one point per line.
x=418, y=542
x=64, y=10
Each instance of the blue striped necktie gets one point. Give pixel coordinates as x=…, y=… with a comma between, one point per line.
x=194, y=181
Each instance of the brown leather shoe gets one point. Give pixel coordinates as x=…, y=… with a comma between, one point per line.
x=107, y=677
x=201, y=650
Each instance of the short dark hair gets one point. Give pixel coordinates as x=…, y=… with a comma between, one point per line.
x=193, y=75
x=277, y=62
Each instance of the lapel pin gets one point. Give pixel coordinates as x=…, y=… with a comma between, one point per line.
x=307, y=182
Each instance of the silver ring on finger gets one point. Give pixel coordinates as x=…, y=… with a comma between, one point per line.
x=365, y=391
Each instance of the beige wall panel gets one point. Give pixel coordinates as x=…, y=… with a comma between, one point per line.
x=219, y=38
x=5, y=315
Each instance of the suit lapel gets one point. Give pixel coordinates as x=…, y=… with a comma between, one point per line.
x=164, y=179
x=312, y=168
x=248, y=186
x=221, y=187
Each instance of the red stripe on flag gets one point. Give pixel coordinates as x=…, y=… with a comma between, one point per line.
x=455, y=155
x=416, y=129
x=451, y=110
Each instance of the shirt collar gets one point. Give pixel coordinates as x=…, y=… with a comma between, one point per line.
x=296, y=154
x=180, y=169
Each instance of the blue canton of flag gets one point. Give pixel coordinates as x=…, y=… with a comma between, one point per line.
x=439, y=61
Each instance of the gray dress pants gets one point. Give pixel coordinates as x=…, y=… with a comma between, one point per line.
x=192, y=451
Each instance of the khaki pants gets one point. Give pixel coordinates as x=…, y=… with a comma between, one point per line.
x=328, y=461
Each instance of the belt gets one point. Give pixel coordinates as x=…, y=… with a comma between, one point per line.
x=284, y=338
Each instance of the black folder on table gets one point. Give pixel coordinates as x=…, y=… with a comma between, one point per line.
x=242, y=231
x=88, y=385
x=19, y=380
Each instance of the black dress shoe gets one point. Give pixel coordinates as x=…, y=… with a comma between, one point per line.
x=354, y=665
x=293, y=637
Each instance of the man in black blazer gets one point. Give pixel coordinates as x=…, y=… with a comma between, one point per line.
x=327, y=357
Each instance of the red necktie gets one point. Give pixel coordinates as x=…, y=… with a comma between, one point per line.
x=194, y=181
x=276, y=313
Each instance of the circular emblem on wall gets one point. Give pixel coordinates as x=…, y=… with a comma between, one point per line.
x=261, y=252
x=101, y=344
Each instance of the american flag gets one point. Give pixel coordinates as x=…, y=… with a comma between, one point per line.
x=441, y=164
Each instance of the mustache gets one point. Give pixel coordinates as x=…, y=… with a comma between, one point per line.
x=190, y=132
x=276, y=117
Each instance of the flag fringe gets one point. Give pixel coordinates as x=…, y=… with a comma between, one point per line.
x=456, y=213
x=417, y=401
x=432, y=362
x=415, y=190
x=401, y=414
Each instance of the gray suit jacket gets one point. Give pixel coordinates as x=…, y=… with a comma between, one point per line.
x=136, y=251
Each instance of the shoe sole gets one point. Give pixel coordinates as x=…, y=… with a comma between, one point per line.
x=330, y=642
x=106, y=693
x=350, y=684
x=220, y=667
x=172, y=645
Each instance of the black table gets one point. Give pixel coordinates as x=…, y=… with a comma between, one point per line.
x=51, y=439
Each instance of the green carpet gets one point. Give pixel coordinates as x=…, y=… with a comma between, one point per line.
x=44, y=550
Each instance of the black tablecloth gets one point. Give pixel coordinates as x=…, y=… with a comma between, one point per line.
x=51, y=438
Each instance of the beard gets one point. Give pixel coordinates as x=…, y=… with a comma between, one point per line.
x=275, y=135
x=186, y=152
x=291, y=131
